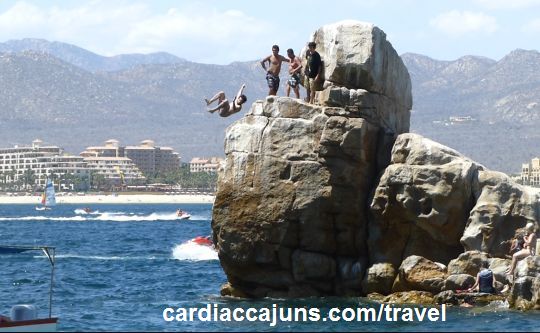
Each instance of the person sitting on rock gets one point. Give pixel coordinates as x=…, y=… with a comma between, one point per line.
x=529, y=247
x=518, y=243
x=485, y=281
x=225, y=107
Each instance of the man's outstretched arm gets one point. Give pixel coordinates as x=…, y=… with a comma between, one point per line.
x=241, y=91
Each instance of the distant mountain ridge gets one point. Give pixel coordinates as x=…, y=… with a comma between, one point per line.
x=85, y=59
x=72, y=97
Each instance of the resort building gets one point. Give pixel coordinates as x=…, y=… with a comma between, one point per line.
x=148, y=158
x=210, y=165
x=152, y=159
x=30, y=166
x=530, y=172
x=111, y=148
x=116, y=171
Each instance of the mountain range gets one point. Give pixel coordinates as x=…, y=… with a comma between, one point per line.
x=71, y=97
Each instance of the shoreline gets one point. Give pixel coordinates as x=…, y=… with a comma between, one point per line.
x=114, y=199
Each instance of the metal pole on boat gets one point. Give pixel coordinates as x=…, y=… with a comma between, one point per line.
x=51, y=259
x=51, y=289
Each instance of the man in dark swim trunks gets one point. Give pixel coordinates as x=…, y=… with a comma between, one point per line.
x=225, y=107
x=295, y=66
x=272, y=73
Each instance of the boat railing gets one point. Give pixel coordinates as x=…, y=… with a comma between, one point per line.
x=49, y=252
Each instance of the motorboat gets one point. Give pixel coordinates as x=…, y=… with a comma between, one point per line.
x=24, y=317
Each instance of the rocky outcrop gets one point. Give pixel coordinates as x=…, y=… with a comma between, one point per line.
x=418, y=273
x=290, y=208
x=357, y=55
x=468, y=263
x=379, y=278
x=502, y=206
x=364, y=74
x=421, y=202
x=290, y=213
x=525, y=293
x=337, y=199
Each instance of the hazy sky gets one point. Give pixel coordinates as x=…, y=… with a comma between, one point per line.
x=220, y=32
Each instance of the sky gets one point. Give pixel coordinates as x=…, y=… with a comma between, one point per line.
x=221, y=32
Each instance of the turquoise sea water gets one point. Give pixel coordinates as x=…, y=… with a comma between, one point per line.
x=122, y=266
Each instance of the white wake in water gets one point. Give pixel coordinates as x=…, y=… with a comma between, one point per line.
x=120, y=217
x=81, y=211
x=100, y=216
x=44, y=218
x=194, y=252
x=76, y=256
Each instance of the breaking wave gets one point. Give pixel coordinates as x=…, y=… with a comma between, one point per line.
x=191, y=251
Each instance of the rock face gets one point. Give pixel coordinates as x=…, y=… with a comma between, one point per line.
x=374, y=66
x=422, y=202
x=337, y=199
x=418, y=273
x=364, y=73
x=290, y=214
x=502, y=206
x=290, y=208
x=525, y=294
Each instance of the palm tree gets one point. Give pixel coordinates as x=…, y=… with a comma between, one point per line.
x=3, y=176
x=11, y=175
x=28, y=178
x=96, y=180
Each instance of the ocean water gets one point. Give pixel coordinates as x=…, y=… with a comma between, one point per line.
x=120, y=267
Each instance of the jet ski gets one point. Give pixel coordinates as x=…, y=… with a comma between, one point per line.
x=205, y=241
x=182, y=215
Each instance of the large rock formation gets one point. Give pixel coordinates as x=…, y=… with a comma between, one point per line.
x=290, y=214
x=337, y=199
x=422, y=202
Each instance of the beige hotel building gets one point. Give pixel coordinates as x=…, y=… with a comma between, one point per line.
x=146, y=157
x=41, y=160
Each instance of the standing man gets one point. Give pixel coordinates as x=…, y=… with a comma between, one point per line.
x=313, y=71
x=294, y=73
x=272, y=73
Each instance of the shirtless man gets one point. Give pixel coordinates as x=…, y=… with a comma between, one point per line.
x=294, y=73
x=272, y=73
x=225, y=107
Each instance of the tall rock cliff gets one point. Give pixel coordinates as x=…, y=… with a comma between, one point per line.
x=290, y=216
x=338, y=199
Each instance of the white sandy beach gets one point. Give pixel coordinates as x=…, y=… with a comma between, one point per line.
x=113, y=199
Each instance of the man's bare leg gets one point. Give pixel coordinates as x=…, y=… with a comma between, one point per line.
x=288, y=90
x=220, y=105
x=296, y=92
x=219, y=96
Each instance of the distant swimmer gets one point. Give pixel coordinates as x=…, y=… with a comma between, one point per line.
x=225, y=107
